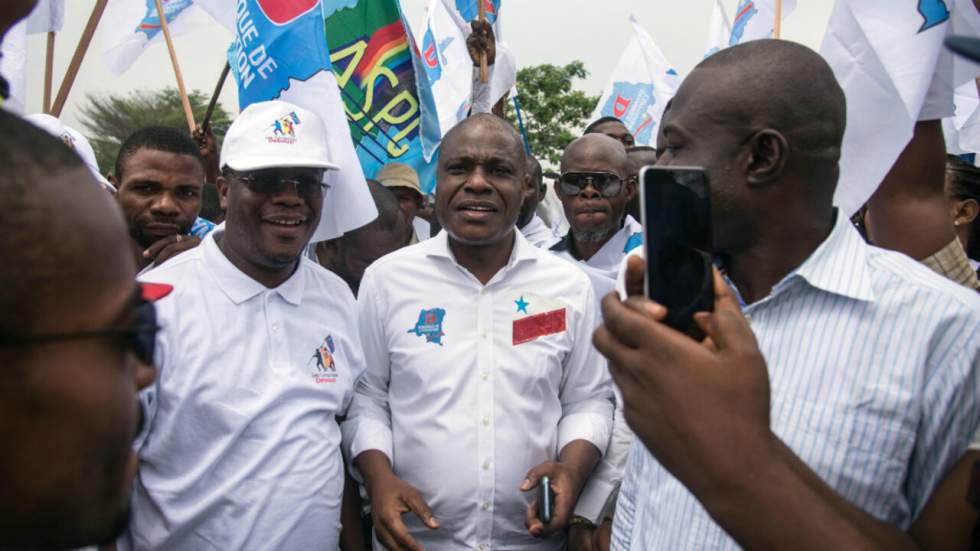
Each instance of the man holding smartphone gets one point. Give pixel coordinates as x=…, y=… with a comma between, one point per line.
x=481, y=376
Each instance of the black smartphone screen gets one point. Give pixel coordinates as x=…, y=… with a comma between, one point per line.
x=676, y=212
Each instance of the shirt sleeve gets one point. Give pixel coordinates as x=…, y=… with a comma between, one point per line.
x=481, y=100
x=950, y=408
x=368, y=424
x=608, y=474
x=586, y=394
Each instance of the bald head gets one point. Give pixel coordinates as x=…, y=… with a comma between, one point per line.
x=600, y=149
x=784, y=86
x=475, y=125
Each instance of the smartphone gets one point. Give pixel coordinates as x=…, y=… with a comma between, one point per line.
x=675, y=207
x=546, y=498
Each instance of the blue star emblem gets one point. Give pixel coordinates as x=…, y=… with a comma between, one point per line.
x=521, y=305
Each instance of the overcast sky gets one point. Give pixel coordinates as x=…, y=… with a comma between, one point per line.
x=539, y=31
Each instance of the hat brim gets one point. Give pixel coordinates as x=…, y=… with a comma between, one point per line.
x=965, y=46
x=258, y=163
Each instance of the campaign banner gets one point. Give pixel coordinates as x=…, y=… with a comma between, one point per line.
x=129, y=27
x=448, y=70
x=641, y=85
x=371, y=57
x=890, y=60
x=280, y=53
x=751, y=20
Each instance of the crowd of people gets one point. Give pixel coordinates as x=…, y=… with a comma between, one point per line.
x=184, y=368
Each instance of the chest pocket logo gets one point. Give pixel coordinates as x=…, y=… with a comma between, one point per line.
x=322, y=364
x=429, y=325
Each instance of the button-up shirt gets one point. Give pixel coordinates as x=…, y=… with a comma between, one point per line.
x=469, y=386
x=243, y=449
x=873, y=364
x=606, y=260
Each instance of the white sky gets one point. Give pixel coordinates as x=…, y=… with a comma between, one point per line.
x=539, y=31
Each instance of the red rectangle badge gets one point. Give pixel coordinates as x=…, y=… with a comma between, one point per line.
x=539, y=325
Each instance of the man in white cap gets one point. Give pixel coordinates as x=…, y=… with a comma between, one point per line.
x=258, y=354
x=75, y=141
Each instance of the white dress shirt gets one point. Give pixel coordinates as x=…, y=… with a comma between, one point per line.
x=469, y=386
x=243, y=449
x=606, y=260
x=538, y=233
x=873, y=362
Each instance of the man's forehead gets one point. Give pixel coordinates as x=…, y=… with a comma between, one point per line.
x=146, y=159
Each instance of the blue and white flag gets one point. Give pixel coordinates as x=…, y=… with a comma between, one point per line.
x=280, y=53
x=129, y=27
x=641, y=85
x=447, y=74
x=751, y=20
x=890, y=60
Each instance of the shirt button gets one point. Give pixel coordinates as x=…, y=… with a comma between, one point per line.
x=486, y=464
x=483, y=334
x=483, y=546
x=486, y=420
x=485, y=375
x=486, y=507
x=275, y=326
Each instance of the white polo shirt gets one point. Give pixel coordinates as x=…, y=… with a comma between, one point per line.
x=606, y=260
x=243, y=449
x=469, y=386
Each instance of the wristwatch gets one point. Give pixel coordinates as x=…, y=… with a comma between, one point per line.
x=581, y=521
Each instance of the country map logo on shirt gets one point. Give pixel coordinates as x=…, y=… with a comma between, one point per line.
x=325, y=370
x=429, y=325
x=283, y=129
x=535, y=317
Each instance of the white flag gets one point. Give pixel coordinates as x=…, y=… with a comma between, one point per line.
x=13, y=66
x=130, y=26
x=962, y=130
x=887, y=58
x=48, y=16
x=641, y=85
x=751, y=20
x=448, y=67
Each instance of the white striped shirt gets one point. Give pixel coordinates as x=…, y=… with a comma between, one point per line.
x=873, y=362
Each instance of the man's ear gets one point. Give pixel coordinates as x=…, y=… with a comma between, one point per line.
x=630, y=182
x=965, y=212
x=769, y=153
x=222, y=184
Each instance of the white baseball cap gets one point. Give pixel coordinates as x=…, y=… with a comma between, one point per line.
x=272, y=134
x=74, y=140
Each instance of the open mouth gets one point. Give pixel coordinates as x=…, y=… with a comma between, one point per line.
x=285, y=221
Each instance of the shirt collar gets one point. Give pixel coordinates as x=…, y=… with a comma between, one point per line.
x=840, y=264
x=438, y=247
x=238, y=286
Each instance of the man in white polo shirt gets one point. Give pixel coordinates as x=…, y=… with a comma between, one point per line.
x=258, y=353
x=481, y=376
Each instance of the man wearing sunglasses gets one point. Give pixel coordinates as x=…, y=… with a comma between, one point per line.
x=594, y=188
x=76, y=339
x=258, y=355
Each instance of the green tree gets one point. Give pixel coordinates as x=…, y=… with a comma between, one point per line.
x=110, y=119
x=553, y=112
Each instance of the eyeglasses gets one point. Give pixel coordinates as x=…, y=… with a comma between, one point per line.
x=140, y=338
x=606, y=183
x=272, y=182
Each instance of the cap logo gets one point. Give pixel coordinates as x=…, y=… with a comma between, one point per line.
x=68, y=140
x=283, y=130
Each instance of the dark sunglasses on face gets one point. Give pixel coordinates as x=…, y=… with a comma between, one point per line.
x=271, y=182
x=140, y=338
x=606, y=183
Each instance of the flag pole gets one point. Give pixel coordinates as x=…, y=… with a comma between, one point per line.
x=779, y=19
x=48, y=73
x=76, y=60
x=484, y=68
x=165, y=27
x=214, y=97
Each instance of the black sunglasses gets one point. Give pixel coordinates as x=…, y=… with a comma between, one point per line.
x=606, y=183
x=272, y=182
x=140, y=338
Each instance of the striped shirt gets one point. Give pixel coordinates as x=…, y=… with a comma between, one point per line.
x=873, y=363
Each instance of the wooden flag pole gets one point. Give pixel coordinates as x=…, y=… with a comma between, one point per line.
x=48, y=73
x=779, y=19
x=165, y=27
x=484, y=68
x=76, y=60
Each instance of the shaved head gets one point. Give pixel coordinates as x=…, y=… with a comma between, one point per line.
x=599, y=145
x=488, y=121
